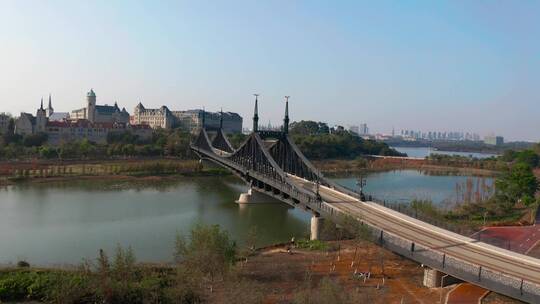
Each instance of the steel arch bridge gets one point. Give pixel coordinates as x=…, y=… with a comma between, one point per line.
x=271, y=163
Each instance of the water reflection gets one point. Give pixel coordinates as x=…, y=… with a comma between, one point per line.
x=62, y=222
x=404, y=186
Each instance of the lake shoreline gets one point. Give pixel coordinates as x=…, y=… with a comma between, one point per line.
x=130, y=169
x=344, y=167
x=166, y=168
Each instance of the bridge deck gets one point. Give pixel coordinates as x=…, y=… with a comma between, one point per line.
x=282, y=171
x=462, y=247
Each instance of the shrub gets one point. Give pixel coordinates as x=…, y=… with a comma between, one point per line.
x=23, y=264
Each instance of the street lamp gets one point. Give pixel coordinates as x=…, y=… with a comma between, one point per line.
x=318, y=185
x=361, y=183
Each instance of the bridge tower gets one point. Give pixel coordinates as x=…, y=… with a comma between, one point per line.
x=203, y=120
x=221, y=119
x=286, y=119
x=256, y=114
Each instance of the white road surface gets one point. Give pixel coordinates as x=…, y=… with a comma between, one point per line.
x=430, y=236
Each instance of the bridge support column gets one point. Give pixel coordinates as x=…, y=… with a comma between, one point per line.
x=254, y=196
x=316, y=227
x=434, y=278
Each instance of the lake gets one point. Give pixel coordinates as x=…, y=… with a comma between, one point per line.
x=422, y=152
x=62, y=222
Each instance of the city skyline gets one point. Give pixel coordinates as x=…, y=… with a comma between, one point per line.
x=453, y=66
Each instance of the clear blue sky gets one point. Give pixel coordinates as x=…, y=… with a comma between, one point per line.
x=429, y=65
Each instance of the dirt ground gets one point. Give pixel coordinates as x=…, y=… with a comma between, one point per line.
x=392, y=279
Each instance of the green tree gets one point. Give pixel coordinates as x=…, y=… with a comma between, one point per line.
x=308, y=127
x=208, y=250
x=177, y=144
x=47, y=152
x=529, y=157
x=509, y=155
x=35, y=140
x=518, y=183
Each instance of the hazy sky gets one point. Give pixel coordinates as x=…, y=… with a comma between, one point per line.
x=429, y=65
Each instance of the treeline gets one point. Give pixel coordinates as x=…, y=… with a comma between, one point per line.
x=478, y=146
x=516, y=189
x=170, y=143
x=490, y=163
x=529, y=156
x=497, y=163
x=460, y=146
x=317, y=141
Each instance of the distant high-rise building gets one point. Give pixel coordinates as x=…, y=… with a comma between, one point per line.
x=494, y=140
x=363, y=129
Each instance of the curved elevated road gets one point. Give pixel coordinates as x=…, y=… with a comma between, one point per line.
x=427, y=235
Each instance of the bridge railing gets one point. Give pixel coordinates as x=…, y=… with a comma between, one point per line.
x=515, y=287
x=300, y=194
x=518, y=288
x=407, y=209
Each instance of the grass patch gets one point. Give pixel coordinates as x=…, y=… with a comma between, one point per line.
x=315, y=245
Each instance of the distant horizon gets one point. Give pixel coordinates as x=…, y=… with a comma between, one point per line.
x=246, y=120
x=454, y=66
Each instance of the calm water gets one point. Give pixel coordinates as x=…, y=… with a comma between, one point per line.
x=426, y=151
x=57, y=223
x=406, y=185
x=64, y=222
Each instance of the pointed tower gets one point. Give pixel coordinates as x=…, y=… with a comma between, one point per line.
x=203, y=125
x=221, y=119
x=286, y=119
x=50, y=109
x=91, y=106
x=41, y=119
x=256, y=114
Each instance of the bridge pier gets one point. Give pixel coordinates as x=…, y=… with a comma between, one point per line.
x=434, y=278
x=254, y=196
x=316, y=226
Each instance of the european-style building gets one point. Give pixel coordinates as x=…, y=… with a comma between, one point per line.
x=190, y=120
x=98, y=113
x=93, y=122
x=4, y=122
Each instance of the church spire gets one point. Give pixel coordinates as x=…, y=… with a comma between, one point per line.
x=256, y=114
x=41, y=107
x=49, y=109
x=286, y=119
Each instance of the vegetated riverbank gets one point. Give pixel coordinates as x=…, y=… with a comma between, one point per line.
x=44, y=171
x=210, y=268
x=337, y=167
x=130, y=168
x=269, y=276
x=352, y=270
